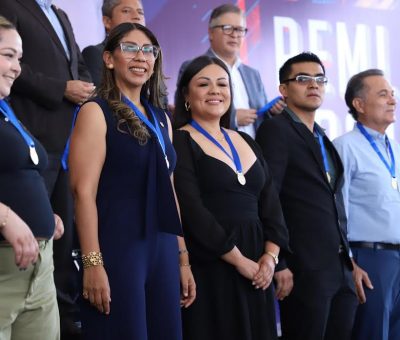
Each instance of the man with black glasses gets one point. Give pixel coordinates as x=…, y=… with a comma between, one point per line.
x=308, y=174
x=226, y=32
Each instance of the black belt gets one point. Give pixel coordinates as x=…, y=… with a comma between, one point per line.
x=375, y=245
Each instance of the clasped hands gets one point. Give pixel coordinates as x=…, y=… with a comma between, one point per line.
x=260, y=273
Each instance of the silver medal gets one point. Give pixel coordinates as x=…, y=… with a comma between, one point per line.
x=166, y=161
x=394, y=183
x=241, y=178
x=34, y=155
x=328, y=176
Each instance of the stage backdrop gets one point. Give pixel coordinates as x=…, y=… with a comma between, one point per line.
x=348, y=35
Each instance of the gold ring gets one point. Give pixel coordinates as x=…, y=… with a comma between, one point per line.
x=85, y=295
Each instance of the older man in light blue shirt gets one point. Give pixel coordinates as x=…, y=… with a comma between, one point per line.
x=372, y=198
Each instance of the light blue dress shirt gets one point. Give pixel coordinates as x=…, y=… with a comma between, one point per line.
x=45, y=5
x=372, y=205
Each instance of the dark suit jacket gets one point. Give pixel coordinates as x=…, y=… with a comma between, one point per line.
x=313, y=211
x=93, y=56
x=254, y=88
x=38, y=94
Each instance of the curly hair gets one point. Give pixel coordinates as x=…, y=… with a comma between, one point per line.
x=108, y=90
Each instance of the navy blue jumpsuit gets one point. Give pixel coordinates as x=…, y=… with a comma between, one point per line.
x=137, y=225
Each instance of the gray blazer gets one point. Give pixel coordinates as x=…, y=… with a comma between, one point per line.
x=254, y=88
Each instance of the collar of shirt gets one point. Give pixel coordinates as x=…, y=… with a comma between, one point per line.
x=373, y=133
x=293, y=115
x=295, y=118
x=235, y=65
x=44, y=3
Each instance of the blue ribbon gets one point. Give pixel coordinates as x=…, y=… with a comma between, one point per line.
x=391, y=167
x=10, y=115
x=64, y=158
x=323, y=152
x=235, y=156
x=154, y=127
x=268, y=106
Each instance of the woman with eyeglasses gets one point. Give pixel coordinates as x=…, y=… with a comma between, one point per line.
x=28, y=303
x=121, y=163
x=231, y=214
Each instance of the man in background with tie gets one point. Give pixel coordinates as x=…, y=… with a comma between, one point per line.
x=53, y=81
x=371, y=194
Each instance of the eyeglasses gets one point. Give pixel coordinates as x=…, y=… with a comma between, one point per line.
x=305, y=80
x=229, y=29
x=130, y=50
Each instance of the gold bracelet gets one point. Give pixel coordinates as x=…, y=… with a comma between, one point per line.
x=183, y=251
x=5, y=220
x=185, y=265
x=274, y=256
x=92, y=259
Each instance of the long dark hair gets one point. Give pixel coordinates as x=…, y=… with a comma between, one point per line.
x=151, y=90
x=181, y=115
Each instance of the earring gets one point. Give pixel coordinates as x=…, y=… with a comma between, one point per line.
x=187, y=106
x=110, y=66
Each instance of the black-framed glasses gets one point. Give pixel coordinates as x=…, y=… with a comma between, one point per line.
x=229, y=29
x=130, y=50
x=302, y=79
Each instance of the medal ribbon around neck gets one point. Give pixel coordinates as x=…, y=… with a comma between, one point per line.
x=235, y=156
x=154, y=127
x=10, y=115
x=392, y=166
x=64, y=158
x=323, y=152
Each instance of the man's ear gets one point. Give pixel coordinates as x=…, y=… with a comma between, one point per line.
x=358, y=104
x=107, y=23
x=210, y=34
x=283, y=90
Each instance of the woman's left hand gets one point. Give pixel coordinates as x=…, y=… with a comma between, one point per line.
x=59, y=227
x=188, y=286
x=263, y=277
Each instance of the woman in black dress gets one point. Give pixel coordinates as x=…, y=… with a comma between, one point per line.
x=231, y=213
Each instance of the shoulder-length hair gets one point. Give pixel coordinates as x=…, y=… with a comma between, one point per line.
x=183, y=116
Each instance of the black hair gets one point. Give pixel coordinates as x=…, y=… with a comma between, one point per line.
x=183, y=116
